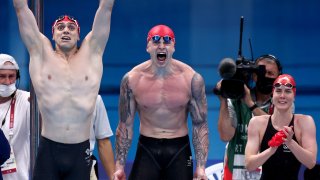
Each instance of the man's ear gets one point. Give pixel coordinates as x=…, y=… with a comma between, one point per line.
x=147, y=48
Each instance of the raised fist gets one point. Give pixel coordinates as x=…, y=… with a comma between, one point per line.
x=277, y=139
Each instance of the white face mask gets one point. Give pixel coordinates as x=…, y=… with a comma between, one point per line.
x=7, y=90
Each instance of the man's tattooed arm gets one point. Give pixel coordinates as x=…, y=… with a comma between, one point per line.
x=124, y=129
x=198, y=111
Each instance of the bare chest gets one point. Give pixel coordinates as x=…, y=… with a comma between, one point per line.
x=166, y=94
x=73, y=73
x=60, y=83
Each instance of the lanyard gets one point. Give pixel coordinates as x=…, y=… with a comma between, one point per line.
x=13, y=102
x=11, y=123
x=4, y=118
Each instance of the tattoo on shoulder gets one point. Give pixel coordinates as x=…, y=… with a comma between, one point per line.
x=198, y=103
x=197, y=86
x=126, y=96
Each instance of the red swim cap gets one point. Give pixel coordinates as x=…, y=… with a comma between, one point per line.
x=66, y=18
x=161, y=30
x=287, y=81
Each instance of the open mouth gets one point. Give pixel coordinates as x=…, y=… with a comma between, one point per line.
x=282, y=102
x=66, y=38
x=161, y=56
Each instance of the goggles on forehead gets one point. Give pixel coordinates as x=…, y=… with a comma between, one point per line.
x=166, y=39
x=286, y=85
x=66, y=18
x=71, y=18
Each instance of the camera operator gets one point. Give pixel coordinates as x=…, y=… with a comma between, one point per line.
x=235, y=114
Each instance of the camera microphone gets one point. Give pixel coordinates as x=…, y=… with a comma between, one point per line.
x=227, y=68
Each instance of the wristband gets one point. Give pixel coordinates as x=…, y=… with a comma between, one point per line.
x=254, y=106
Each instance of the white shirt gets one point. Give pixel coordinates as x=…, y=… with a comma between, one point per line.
x=20, y=141
x=100, y=128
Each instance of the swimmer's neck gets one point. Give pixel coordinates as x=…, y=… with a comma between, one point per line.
x=66, y=53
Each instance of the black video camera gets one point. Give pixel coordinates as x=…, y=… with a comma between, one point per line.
x=236, y=74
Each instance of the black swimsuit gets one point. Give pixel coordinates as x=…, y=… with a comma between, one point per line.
x=59, y=161
x=282, y=164
x=158, y=159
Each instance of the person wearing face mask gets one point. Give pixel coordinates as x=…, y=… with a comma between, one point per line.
x=235, y=114
x=281, y=142
x=15, y=120
x=163, y=91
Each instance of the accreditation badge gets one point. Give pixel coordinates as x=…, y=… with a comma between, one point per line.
x=10, y=166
